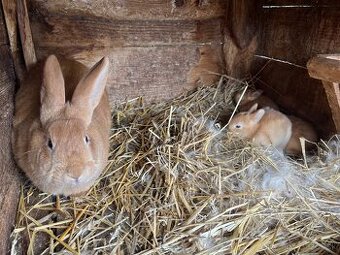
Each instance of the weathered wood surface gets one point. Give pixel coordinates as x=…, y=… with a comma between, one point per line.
x=10, y=16
x=25, y=34
x=153, y=72
x=3, y=33
x=154, y=48
x=296, y=34
x=333, y=96
x=9, y=174
x=327, y=69
x=135, y=9
x=240, y=36
x=299, y=3
x=72, y=34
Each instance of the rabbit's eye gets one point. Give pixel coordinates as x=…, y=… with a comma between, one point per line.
x=87, y=139
x=50, y=144
x=238, y=126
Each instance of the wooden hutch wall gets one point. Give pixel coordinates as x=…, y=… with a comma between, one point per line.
x=153, y=45
x=159, y=49
x=293, y=31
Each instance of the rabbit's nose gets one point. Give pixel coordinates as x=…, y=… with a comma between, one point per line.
x=75, y=174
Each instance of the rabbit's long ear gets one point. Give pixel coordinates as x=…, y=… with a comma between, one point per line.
x=252, y=109
x=90, y=90
x=52, y=94
x=257, y=116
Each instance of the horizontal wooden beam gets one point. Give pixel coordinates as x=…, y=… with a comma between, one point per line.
x=325, y=67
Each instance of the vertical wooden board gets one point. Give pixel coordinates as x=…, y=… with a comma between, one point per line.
x=296, y=34
x=333, y=96
x=327, y=36
x=3, y=34
x=285, y=34
x=240, y=36
x=296, y=93
x=9, y=174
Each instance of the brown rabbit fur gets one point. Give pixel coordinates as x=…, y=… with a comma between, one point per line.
x=61, y=125
x=263, y=127
x=252, y=97
x=300, y=128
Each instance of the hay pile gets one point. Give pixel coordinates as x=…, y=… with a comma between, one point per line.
x=177, y=183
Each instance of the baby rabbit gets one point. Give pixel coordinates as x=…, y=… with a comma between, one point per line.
x=263, y=127
x=61, y=125
x=251, y=97
x=300, y=128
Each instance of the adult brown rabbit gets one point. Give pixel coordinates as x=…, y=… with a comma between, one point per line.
x=61, y=125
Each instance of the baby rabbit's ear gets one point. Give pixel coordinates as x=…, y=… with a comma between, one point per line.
x=257, y=116
x=52, y=94
x=90, y=90
x=252, y=109
x=254, y=95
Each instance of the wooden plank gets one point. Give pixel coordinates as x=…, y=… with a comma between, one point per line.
x=9, y=174
x=3, y=34
x=296, y=34
x=10, y=14
x=294, y=91
x=89, y=32
x=157, y=73
x=333, y=96
x=299, y=3
x=25, y=34
x=325, y=67
x=240, y=36
x=132, y=9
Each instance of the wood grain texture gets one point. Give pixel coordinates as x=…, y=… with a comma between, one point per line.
x=150, y=56
x=25, y=34
x=10, y=19
x=300, y=3
x=9, y=174
x=10, y=16
x=325, y=67
x=78, y=33
x=209, y=68
x=157, y=73
x=240, y=36
x=134, y=9
x=295, y=92
x=3, y=34
x=333, y=96
x=296, y=34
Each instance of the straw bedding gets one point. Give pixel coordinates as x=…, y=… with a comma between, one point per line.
x=178, y=183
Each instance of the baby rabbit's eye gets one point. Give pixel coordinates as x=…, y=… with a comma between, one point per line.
x=87, y=139
x=238, y=126
x=50, y=144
